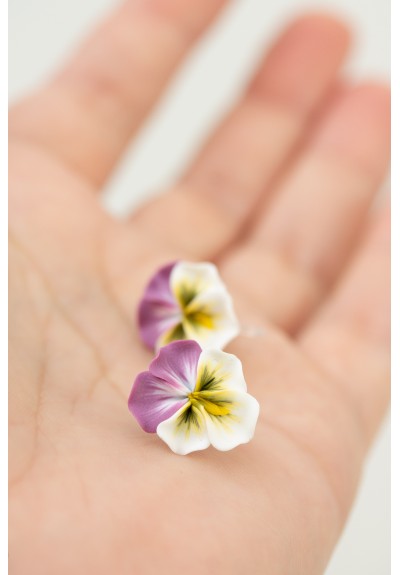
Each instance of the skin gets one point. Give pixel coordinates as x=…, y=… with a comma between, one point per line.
x=283, y=190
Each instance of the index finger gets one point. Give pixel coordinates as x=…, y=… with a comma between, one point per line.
x=89, y=111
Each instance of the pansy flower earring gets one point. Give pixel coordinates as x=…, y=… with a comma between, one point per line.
x=193, y=395
x=187, y=301
x=193, y=398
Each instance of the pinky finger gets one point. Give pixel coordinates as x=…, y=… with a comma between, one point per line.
x=350, y=335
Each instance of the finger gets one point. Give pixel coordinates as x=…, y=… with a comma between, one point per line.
x=244, y=153
x=350, y=336
x=89, y=111
x=323, y=406
x=305, y=234
x=307, y=426
x=236, y=166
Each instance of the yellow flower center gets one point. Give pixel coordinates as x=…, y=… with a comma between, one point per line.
x=193, y=312
x=199, y=317
x=210, y=401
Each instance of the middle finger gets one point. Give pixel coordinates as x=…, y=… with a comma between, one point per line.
x=224, y=186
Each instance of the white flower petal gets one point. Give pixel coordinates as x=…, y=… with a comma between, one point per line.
x=194, y=276
x=208, y=316
x=228, y=431
x=218, y=370
x=185, y=431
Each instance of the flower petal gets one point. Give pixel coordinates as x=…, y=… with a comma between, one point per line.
x=153, y=400
x=235, y=427
x=185, y=431
x=158, y=310
x=176, y=363
x=159, y=287
x=210, y=319
x=219, y=371
x=189, y=279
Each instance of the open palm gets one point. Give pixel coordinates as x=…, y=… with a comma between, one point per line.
x=279, y=198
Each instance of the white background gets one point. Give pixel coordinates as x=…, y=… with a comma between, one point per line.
x=41, y=34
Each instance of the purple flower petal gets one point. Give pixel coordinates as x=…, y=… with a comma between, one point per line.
x=158, y=288
x=153, y=400
x=159, y=393
x=158, y=310
x=177, y=363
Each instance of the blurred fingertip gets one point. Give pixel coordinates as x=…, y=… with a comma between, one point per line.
x=358, y=126
x=325, y=23
x=304, y=60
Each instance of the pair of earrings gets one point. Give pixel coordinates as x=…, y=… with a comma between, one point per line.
x=194, y=394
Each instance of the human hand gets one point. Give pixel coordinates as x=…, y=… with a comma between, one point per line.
x=279, y=198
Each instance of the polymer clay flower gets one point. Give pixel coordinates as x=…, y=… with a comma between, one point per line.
x=187, y=301
x=193, y=398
